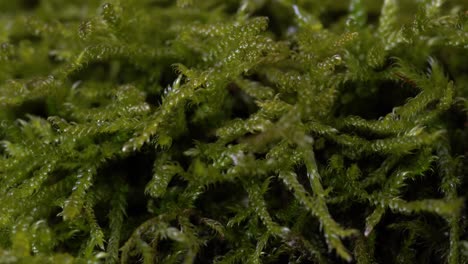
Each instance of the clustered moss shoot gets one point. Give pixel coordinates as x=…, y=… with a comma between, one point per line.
x=253, y=131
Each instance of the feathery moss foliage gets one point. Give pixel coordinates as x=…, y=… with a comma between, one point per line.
x=251, y=131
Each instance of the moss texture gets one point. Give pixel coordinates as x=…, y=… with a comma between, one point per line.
x=227, y=131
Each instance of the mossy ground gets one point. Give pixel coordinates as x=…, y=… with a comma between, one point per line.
x=237, y=131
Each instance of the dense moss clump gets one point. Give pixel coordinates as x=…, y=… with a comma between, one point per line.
x=233, y=131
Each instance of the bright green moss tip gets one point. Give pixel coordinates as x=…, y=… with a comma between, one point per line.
x=233, y=131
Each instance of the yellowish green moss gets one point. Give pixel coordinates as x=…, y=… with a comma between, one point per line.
x=253, y=131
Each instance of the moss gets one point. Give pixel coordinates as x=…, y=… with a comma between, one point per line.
x=190, y=131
